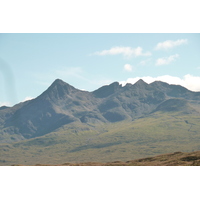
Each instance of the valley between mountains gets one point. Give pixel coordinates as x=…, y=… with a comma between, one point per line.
x=112, y=123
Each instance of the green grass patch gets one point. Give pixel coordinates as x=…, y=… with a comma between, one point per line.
x=159, y=133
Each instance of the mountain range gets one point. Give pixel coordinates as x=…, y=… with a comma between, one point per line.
x=62, y=104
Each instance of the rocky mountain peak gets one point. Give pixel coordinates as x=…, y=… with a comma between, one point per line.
x=159, y=84
x=107, y=90
x=58, y=90
x=140, y=82
x=60, y=83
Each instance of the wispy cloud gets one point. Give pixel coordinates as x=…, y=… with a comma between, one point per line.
x=128, y=67
x=102, y=81
x=77, y=72
x=166, y=60
x=62, y=73
x=144, y=62
x=169, y=44
x=71, y=75
x=70, y=71
x=189, y=81
x=127, y=52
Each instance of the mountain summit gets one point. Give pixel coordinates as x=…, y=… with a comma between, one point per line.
x=58, y=90
x=62, y=105
x=107, y=90
x=140, y=83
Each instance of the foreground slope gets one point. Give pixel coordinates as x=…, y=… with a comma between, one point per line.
x=158, y=133
x=172, y=159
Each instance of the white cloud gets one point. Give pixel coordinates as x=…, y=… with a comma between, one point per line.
x=5, y=104
x=188, y=81
x=127, y=52
x=166, y=60
x=169, y=44
x=28, y=98
x=128, y=67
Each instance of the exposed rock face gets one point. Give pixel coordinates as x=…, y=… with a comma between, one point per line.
x=62, y=104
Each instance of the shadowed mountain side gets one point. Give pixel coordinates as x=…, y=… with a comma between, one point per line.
x=62, y=104
x=176, y=91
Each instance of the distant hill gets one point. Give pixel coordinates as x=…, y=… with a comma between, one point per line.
x=63, y=104
x=3, y=107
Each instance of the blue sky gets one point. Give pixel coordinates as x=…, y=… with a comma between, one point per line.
x=31, y=62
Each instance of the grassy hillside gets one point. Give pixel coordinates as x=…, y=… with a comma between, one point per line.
x=159, y=133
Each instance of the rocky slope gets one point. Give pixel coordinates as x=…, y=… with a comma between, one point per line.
x=62, y=104
x=171, y=159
